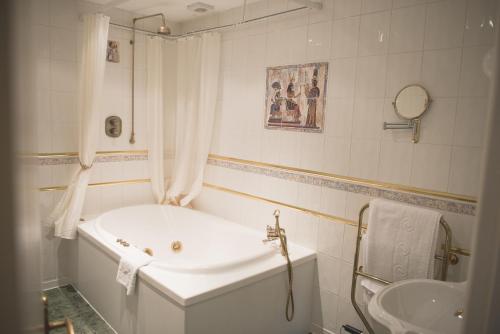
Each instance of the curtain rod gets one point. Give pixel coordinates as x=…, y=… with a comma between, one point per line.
x=226, y=26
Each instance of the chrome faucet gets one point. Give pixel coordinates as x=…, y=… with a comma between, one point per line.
x=276, y=232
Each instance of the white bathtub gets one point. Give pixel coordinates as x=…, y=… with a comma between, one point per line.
x=224, y=280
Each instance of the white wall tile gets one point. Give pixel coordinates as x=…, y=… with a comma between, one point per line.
x=374, y=34
x=371, y=76
x=325, y=310
x=445, y=24
x=63, y=75
x=41, y=42
x=395, y=162
x=318, y=41
x=311, y=151
x=465, y=169
x=63, y=108
x=402, y=69
x=437, y=124
x=62, y=44
x=407, y=30
x=63, y=14
x=480, y=22
x=375, y=5
x=470, y=122
x=431, y=166
x=289, y=147
x=309, y=196
x=307, y=231
x=441, y=72
x=473, y=80
x=349, y=243
x=342, y=78
x=345, y=37
x=367, y=118
x=364, y=158
x=345, y=8
x=407, y=3
x=325, y=14
x=338, y=118
x=333, y=201
x=345, y=280
x=40, y=12
x=330, y=237
x=337, y=151
x=65, y=137
x=328, y=273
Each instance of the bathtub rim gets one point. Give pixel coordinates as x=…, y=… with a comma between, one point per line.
x=170, y=284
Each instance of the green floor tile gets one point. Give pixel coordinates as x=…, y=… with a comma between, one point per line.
x=65, y=302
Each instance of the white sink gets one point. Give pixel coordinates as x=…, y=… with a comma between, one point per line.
x=418, y=306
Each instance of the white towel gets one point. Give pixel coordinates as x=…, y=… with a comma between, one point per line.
x=130, y=263
x=401, y=242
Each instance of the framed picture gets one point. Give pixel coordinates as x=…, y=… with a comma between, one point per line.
x=112, y=54
x=295, y=97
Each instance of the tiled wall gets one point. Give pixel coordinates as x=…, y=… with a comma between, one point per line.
x=374, y=48
x=57, y=31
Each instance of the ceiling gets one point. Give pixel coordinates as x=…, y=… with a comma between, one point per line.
x=175, y=10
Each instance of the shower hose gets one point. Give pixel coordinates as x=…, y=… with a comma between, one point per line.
x=290, y=304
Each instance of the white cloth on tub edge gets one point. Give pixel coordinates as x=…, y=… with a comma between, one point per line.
x=130, y=263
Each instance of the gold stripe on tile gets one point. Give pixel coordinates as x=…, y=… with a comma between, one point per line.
x=456, y=250
x=291, y=206
x=99, y=153
x=349, y=179
x=98, y=184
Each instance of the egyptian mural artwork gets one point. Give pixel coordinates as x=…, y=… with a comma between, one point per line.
x=295, y=97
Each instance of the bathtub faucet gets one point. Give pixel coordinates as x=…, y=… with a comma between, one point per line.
x=276, y=232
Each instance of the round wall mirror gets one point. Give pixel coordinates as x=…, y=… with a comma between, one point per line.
x=411, y=102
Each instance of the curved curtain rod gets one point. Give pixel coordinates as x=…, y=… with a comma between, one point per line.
x=226, y=26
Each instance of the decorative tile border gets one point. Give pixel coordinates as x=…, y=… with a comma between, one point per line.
x=449, y=205
x=47, y=160
x=456, y=204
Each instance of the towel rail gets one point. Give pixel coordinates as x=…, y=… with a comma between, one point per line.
x=358, y=270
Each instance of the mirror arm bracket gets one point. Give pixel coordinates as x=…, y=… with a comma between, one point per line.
x=413, y=124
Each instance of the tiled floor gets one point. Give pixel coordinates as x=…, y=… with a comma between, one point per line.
x=64, y=302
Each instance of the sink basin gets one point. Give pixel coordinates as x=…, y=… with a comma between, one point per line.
x=418, y=306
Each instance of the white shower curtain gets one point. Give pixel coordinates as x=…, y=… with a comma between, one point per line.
x=67, y=212
x=198, y=60
x=155, y=110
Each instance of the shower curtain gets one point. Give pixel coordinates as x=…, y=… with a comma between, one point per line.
x=155, y=109
x=198, y=60
x=67, y=212
x=182, y=79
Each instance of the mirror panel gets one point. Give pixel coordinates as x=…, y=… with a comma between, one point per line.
x=411, y=102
